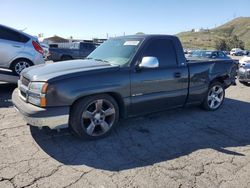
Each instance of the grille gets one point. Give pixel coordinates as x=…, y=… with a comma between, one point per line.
x=25, y=81
x=23, y=94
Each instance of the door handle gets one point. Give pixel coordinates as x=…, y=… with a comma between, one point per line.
x=16, y=46
x=177, y=75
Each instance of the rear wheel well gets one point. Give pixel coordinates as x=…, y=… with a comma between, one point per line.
x=20, y=59
x=220, y=79
x=114, y=95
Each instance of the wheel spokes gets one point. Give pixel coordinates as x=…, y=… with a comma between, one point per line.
x=105, y=126
x=219, y=91
x=210, y=98
x=87, y=114
x=109, y=112
x=212, y=104
x=217, y=99
x=20, y=66
x=98, y=117
x=91, y=128
x=98, y=105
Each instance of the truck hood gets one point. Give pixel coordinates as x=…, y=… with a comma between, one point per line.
x=49, y=71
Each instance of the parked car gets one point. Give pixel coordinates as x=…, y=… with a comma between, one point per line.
x=245, y=52
x=244, y=74
x=244, y=60
x=236, y=52
x=126, y=76
x=82, y=50
x=208, y=54
x=18, y=50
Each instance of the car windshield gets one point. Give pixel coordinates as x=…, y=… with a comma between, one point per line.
x=202, y=54
x=116, y=51
x=247, y=66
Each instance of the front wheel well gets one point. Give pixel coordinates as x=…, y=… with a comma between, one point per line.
x=117, y=97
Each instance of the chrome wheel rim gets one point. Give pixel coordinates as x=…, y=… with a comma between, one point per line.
x=20, y=66
x=215, y=96
x=98, y=117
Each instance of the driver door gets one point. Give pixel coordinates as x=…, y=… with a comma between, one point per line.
x=162, y=87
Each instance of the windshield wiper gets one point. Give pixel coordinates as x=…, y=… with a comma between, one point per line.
x=88, y=58
x=101, y=60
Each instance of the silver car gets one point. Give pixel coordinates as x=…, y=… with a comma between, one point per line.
x=18, y=50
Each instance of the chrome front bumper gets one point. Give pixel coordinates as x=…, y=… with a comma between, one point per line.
x=54, y=118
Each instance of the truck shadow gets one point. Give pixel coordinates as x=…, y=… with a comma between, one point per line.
x=156, y=138
x=5, y=94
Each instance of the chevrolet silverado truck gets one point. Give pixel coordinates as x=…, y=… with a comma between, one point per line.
x=125, y=76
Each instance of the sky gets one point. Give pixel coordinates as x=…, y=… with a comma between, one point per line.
x=86, y=19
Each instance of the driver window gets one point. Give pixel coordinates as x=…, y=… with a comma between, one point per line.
x=163, y=50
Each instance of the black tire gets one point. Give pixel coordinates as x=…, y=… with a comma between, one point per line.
x=207, y=103
x=242, y=82
x=78, y=124
x=66, y=58
x=245, y=83
x=19, y=65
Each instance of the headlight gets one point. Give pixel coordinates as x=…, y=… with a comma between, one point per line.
x=37, y=91
x=38, y=87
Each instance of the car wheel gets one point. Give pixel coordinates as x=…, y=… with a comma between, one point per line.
x=94, y=117
x=19, y=65
x=215, y=97
x=244, y=83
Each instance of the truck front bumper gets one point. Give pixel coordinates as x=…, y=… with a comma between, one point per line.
x=52, y=117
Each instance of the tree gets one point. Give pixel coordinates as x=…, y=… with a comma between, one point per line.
x=235, y=42
x=221, y=44
x=229, y=43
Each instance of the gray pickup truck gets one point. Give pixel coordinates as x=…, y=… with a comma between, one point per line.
x=82, y=50
x=124, y=77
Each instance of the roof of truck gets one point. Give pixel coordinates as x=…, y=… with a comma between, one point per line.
x=148, y=36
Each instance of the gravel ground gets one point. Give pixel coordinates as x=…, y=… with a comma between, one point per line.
x=180, y=148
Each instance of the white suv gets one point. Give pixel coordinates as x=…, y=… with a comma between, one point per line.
x=236, y=51
x=18, y=50
x=245, y=60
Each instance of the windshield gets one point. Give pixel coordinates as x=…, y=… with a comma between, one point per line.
x=116, y=51
x=203, y=54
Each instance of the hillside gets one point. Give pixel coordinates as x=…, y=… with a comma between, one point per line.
x=206, y=39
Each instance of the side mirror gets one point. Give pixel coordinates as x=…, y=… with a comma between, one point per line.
x=149, y=62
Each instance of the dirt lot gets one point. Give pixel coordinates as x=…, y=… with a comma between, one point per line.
x=181, y=148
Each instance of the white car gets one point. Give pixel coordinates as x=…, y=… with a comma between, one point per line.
x=236, y=51
x=244, y=60
x=18, y=50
